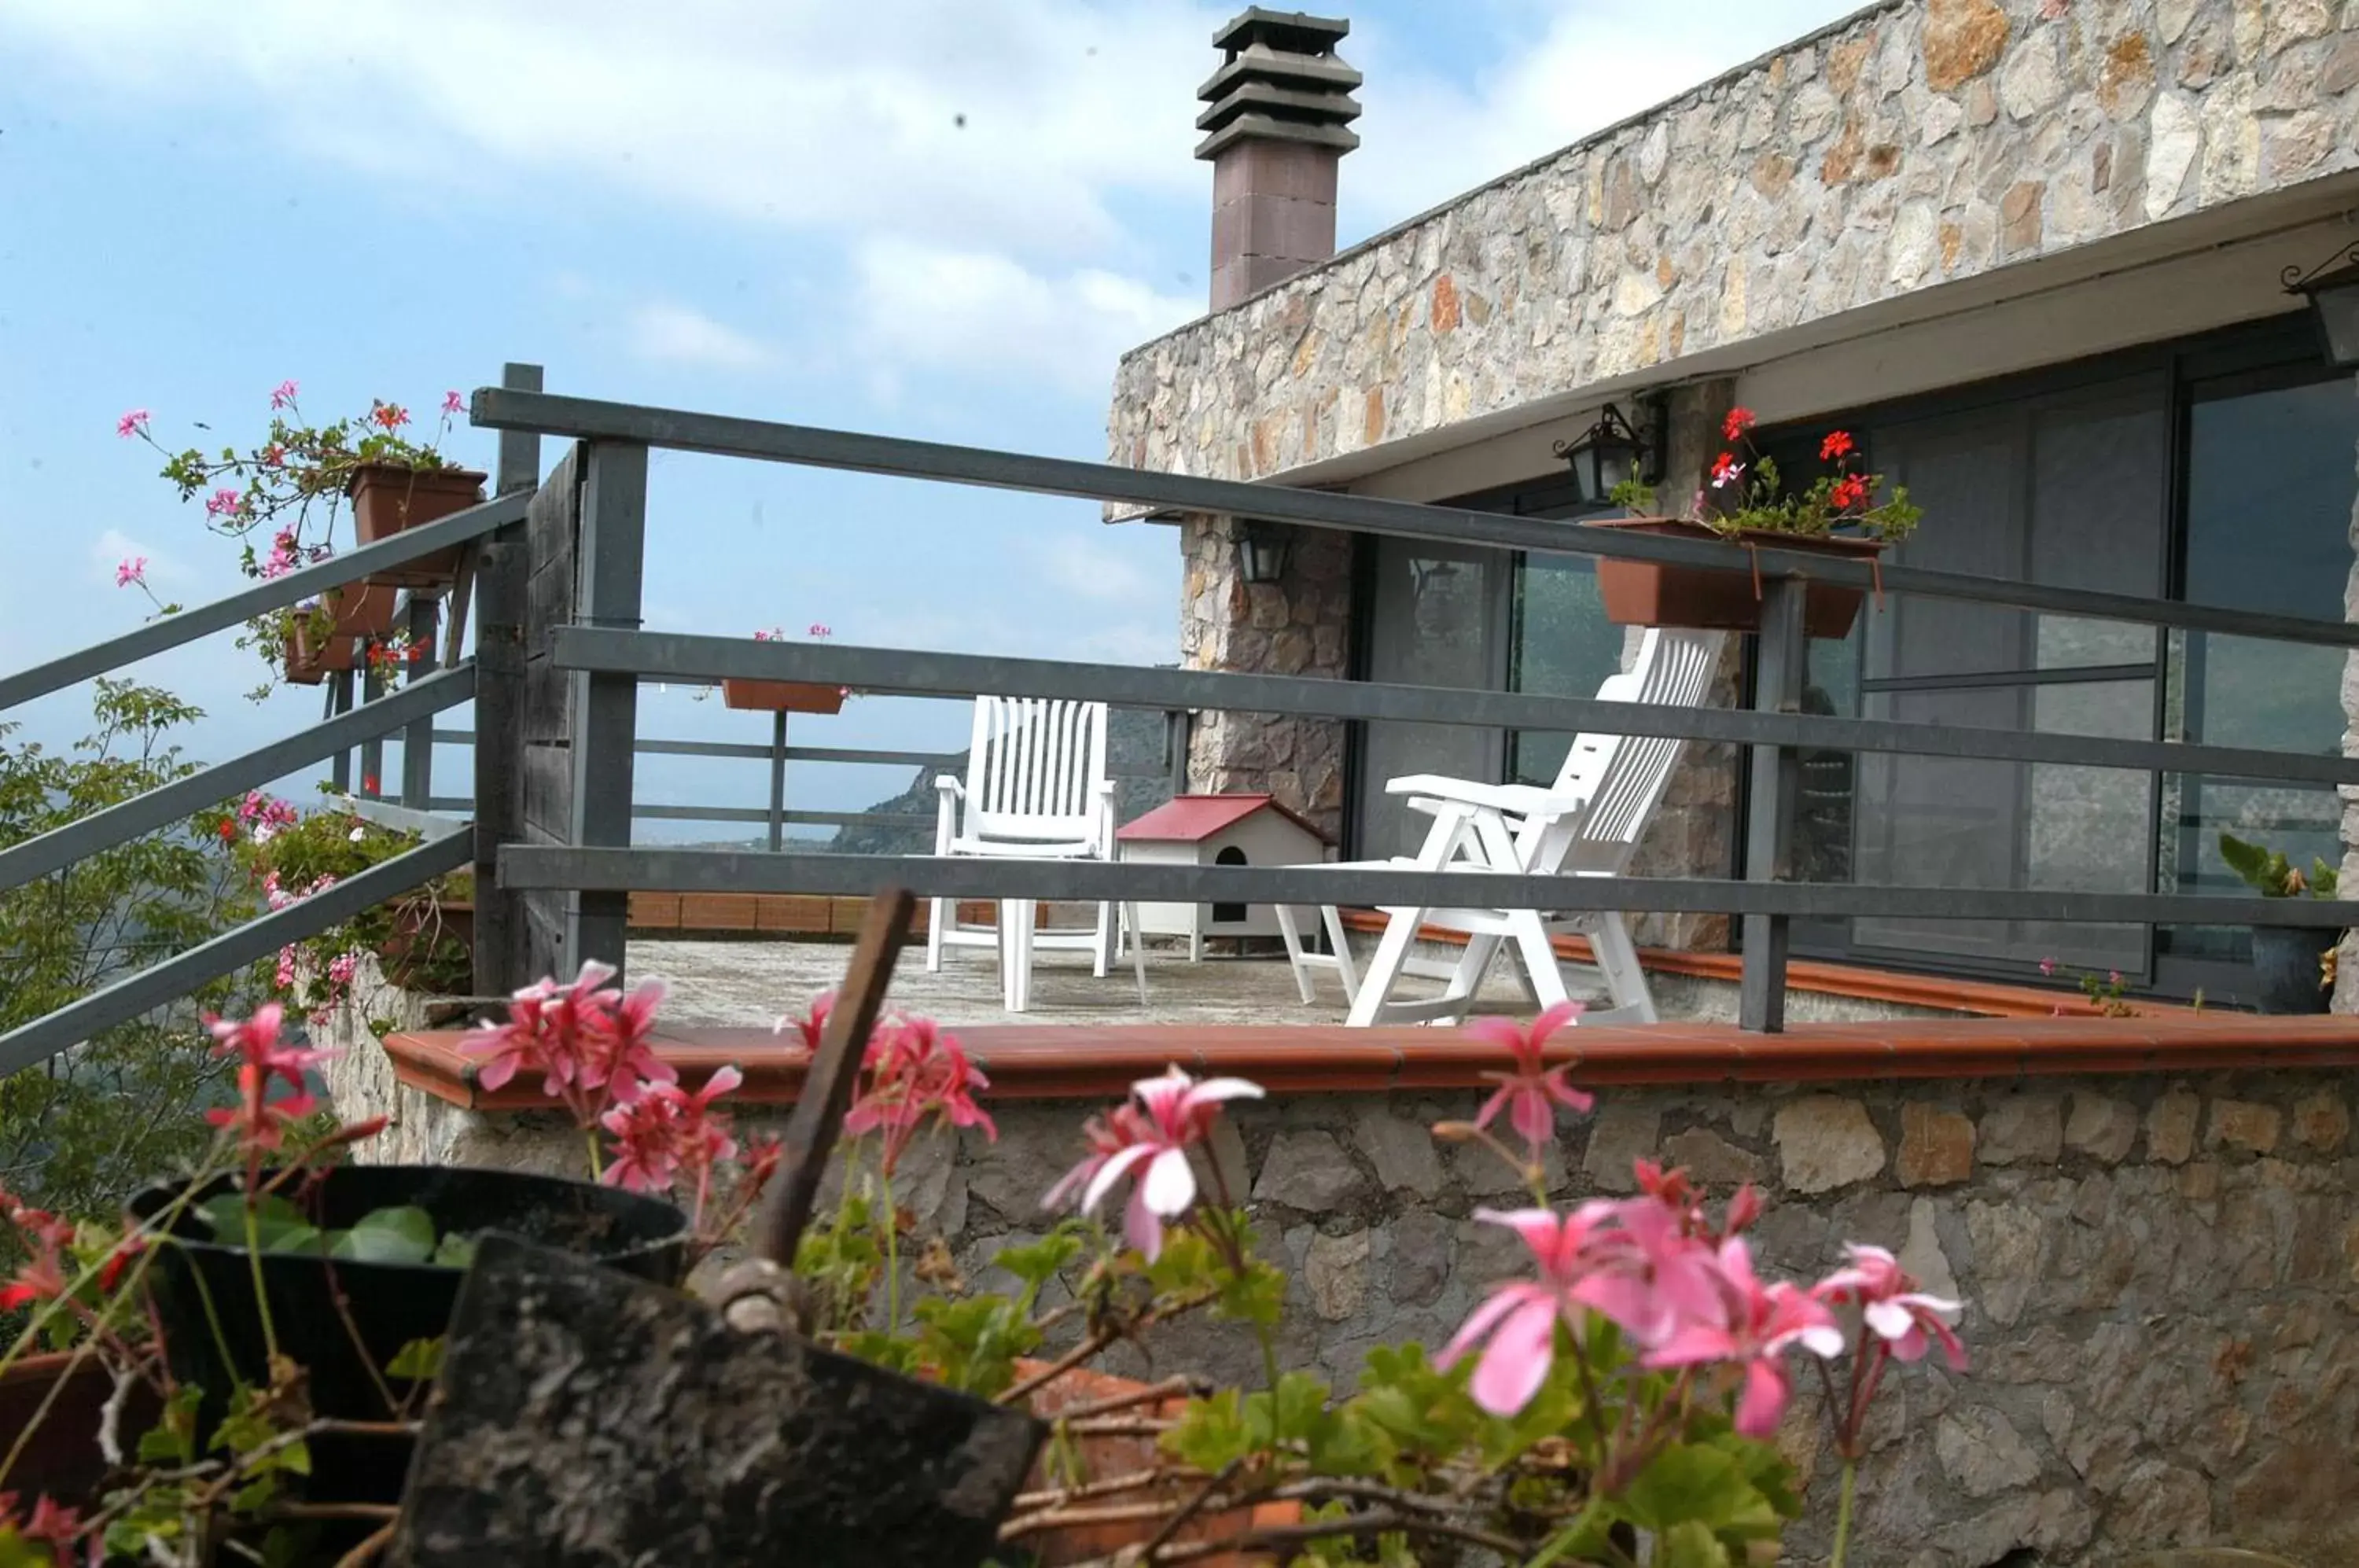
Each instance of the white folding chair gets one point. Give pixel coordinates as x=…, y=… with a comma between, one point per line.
x=1587, y=824
x=1036, y=788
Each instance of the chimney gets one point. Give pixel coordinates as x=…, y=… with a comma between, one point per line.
x=1281, y=109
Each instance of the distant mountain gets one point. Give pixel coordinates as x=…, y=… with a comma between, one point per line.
x=1134, y=755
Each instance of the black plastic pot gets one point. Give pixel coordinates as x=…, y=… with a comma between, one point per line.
x=384, y=1306
x=2286, y=972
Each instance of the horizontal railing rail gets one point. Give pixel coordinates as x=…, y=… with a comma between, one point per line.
x=167, y=632
x=163, y=983
x=849, y=755
x=584, y=868
x=182, y=798
x=662, y=812
x=894, y=456
x=674, y=656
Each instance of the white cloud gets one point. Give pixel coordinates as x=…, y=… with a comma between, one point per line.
x=984, y=167
x=1009, y=124
x=986, y=314
x=1101, y=570
x=669, y=333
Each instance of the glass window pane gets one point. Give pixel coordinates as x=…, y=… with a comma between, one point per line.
x=1433, y=622
x=2269, y=494
x=1564, y=646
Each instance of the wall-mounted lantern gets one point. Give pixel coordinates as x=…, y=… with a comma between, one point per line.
x=1612, y=451
x=2333, y=290
x=1262, y=550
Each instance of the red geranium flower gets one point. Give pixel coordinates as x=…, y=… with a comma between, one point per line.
x=1837, y=444
x=1850, y=493
x=1740, y=420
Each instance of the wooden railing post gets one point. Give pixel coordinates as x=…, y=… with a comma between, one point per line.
x=606, y=707
x=777, y=780
x=1775, y=783
x=502, y=565
x=340, y=701
x=417, y=740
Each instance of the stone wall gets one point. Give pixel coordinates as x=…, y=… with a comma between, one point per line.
x=1300, y=626
x=2157, y=1275
x=1916, y=144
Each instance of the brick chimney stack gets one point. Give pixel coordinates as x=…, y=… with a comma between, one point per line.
x=1281, y=108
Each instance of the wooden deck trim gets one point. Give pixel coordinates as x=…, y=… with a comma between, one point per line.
x=1984, y=998
x=1035, y=1062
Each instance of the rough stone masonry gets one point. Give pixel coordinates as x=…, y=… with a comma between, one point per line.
x=2158, y=1275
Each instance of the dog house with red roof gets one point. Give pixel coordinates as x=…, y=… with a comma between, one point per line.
x=1217, y=830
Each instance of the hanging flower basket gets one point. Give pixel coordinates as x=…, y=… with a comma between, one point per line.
x=782, y=696
x=362, y=609
x=388, y=498
x=1657, y=593
x=311, y=656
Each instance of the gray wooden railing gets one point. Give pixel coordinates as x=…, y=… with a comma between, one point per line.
x=553, y=564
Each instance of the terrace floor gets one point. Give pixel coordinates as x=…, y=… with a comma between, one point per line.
x=735, y=983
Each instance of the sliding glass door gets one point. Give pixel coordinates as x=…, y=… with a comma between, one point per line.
x=2269, y=494
x=2222, y=474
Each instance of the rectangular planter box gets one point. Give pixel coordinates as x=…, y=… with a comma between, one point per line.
x=1651, y=593
x=782, y=696
x=386, y=499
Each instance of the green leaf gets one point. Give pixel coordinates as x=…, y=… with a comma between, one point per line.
x=15, y=1551
x=1686, y=1483
x=1691, y=1544
x=1040, y=1262
x=455, y=1251
x=173, y=1439
x=417, y=1361
x=400, y=1235
x=1211, y=1433
x=2265, y=871
x=273, y=1217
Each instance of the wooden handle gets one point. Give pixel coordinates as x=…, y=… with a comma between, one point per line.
x=834, y=1074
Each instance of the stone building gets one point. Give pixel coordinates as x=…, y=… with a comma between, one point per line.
x=2027, y=252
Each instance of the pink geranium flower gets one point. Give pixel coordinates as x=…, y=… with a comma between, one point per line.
x=132, y=569
x=453, y=403
x=256, y=1042
x=914, y=1071
x=132, y=423
x=1531, y=1094
x=283, y=395
x=1907, y=1319
x=1762, y=1323
x=1518, y=1320
x=42, y=1277
x=1149, y=1144
x=593, y=1046
x=1108, y=1135
x=1654, y=1274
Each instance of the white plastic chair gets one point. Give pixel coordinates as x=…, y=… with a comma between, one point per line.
x=1036, y=788
x=1587, y=824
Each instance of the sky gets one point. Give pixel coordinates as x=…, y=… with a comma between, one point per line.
x=935, y=218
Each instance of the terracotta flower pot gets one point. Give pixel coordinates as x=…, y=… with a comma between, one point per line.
x=782, y=696
x=420, y=929
x=1653, y=593
x=1108, y=1456
x=362, y=609
x=64, y=1462
x=309, y=656
x=388, y=498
